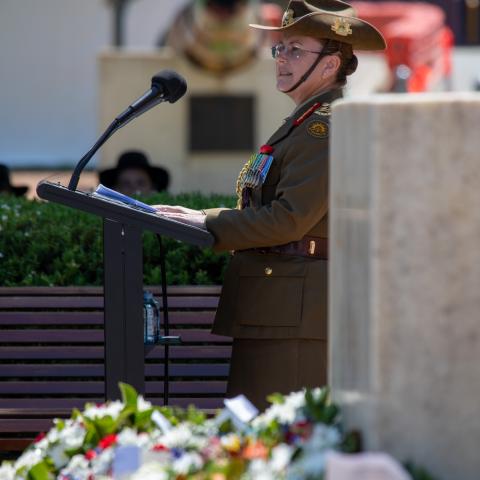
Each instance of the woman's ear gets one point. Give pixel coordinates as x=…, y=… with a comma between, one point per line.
x=331, y=66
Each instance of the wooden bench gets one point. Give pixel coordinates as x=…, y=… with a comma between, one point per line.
x=51, y=356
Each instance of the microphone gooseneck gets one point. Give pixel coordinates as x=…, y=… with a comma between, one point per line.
x=167, y=86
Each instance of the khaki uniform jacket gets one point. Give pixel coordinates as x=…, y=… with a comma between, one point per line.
x=290, y=302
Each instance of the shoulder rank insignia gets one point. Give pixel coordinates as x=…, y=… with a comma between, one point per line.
x=324, y=111
x=318, y=129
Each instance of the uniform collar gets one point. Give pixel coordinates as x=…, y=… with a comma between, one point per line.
x=322, y=97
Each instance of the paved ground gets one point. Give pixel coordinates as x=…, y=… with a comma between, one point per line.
x=88, y=180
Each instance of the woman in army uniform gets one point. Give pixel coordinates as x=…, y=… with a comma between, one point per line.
x=274, y=298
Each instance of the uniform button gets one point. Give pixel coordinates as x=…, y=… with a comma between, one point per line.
x=268, y=271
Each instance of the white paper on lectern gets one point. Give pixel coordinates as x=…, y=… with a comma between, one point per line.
x=118, y=197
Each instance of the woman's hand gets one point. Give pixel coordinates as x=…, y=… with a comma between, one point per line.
x=195, y=218
x=167, y=209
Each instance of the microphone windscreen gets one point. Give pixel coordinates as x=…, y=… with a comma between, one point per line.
x=173, y=85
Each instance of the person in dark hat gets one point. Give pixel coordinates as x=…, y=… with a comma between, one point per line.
x=6, y=186
x=274, y=298
x=134, y=175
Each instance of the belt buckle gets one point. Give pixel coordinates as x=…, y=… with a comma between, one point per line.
x=311, y=247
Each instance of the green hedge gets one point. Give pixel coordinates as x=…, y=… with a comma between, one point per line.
x=47, y=244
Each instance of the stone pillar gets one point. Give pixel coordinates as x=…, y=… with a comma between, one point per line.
x=405, y=276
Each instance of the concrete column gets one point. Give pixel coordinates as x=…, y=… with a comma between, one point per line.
x=405, y=276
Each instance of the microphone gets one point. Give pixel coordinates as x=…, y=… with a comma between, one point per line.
x=167, y=86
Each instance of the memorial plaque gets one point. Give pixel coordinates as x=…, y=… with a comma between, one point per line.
x=221, y=123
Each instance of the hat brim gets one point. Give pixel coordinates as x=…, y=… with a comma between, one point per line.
x=319, y=25
x=160, y=177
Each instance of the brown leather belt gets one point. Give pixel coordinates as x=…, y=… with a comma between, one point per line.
x=308, y=246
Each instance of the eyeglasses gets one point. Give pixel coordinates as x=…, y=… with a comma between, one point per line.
x=291, y=52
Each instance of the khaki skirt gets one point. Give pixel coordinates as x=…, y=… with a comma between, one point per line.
x=261, y=367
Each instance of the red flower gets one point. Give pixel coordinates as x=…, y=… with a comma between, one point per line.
x=266, y=149
x=90, y=455
x=39, y=437
x=159, y=448
x=107, y=441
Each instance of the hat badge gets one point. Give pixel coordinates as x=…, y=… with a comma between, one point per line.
x=288, y=17
x=342, y=27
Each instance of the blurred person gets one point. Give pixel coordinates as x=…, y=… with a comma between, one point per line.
x=6, y=186
x=274, y=298
x=134, y=175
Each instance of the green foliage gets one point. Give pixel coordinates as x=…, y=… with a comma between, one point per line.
x=319, y=408
x=46, y=244
x=40, y=471
x=276, y=398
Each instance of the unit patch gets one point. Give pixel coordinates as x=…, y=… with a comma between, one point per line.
x=318, y=129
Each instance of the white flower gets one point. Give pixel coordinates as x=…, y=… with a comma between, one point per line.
x=42, y=444
x=53, y=435
x=102, y=462
x=261, y=470
x=72, y=435
x=178, y=436
x=7, y=471
x=284, y=413
x=77, y=468
x=57, y=454
x=142, y=404
x=150, y=471
x=281, y=456
x=112, y=409
x=128, y=436
x=188, y=462
x=29, y=458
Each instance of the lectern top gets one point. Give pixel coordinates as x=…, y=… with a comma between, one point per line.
x=126, y=214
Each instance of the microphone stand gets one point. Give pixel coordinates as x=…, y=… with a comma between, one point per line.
x=125, y=117
x=114, y=126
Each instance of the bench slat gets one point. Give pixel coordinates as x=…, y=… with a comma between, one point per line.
x=65, y=405
x=20, y=388
x=95, y=336
x=183, y=290
x=15, y=318
x=71, y=303
x=89, y=370
x=96, y=353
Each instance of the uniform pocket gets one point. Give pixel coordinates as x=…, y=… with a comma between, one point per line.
x=270, y=291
